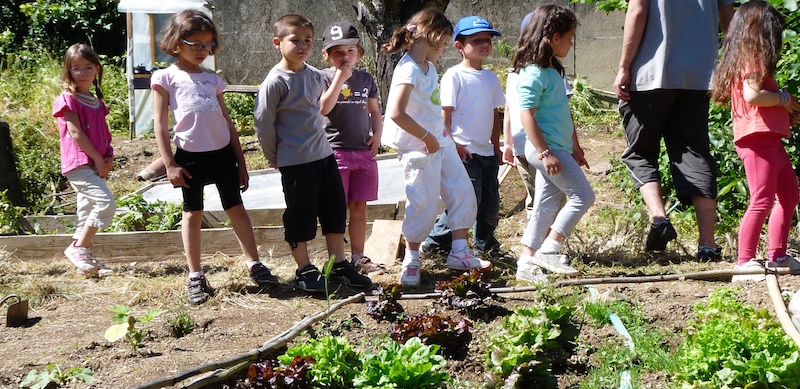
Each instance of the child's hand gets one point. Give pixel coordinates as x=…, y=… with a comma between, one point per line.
x=346, y=69
x=104, y=167
x=431, y=144
x=244, y=178
x=374, y=144
x=463, y=153
x=551, y=164
x=579, y=156
x=794, y=119
x=508, y=156
x=175, y=173
x=794, y=106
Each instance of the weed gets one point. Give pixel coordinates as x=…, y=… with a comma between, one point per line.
x=53, y=375
x=10, y=216
x=181, y=324
x=126, y=325
x=146, y=216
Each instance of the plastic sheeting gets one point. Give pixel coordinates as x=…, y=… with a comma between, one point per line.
x=158, y=6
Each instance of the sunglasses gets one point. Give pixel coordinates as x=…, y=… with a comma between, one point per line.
x=199, y=46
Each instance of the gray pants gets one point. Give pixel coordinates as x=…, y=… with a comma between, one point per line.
x=96, y=205
x=550, y=190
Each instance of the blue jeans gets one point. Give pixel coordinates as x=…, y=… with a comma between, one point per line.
x=482, y=171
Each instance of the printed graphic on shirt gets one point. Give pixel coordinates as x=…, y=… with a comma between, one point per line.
x=435, y=97
x=200, y=95
x=346, y=92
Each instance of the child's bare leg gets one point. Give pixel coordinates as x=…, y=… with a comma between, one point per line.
x=243, y=229
x=460, y=234
x=87, y=234
x=358, y=226
x=413, y=245
x=190, y=233
x=300, y=254
x=335, y=243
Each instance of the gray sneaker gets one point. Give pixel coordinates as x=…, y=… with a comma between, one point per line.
x=554, y=263
x=753, y=269
x=787, y=261
x=528, y=272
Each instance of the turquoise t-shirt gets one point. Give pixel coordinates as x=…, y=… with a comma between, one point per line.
x=544, y=89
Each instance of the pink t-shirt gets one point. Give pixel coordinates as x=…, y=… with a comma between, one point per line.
x=199, y=123
x=749, y=119
x=93, y=124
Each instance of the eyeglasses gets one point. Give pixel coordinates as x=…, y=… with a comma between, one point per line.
x=199, y=46
x=84, y=70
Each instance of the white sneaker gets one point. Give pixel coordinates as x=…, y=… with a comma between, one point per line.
x=555, y=263
x=749, y=268
x=787, y=261
x=82, y=258
x=409, y=275
x=527, y=271
x=466, y=260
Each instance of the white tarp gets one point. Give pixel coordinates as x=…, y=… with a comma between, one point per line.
x=158, y=6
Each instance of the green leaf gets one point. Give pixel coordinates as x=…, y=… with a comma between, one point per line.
x=116, y=332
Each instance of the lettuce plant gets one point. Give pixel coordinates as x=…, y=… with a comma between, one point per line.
x=336, y=361
x=413, y=365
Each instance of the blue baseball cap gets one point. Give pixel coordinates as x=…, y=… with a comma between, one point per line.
x=473, y=25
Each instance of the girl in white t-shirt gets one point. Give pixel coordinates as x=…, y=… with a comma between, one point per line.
x=208, y=149
x=431, y=164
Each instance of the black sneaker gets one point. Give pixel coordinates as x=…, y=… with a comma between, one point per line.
x=660, y=235
x=310, y=279
x=199, y=290
x=708, y=254
x=262, y=276
x=347, y=273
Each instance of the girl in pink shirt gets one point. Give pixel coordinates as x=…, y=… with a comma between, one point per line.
x=86, y=153
x=762, y=115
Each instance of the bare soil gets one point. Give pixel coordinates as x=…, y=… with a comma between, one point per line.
x=69, y=313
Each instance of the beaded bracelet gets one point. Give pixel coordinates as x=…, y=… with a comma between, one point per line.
x=545, y=153
x=785, y=98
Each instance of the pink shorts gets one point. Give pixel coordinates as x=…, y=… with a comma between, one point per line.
x=359, y=172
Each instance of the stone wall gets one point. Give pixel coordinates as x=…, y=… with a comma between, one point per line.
x=246, y=33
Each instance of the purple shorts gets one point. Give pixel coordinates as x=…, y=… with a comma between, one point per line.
x=359, y=172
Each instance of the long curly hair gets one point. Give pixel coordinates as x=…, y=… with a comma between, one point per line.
x=533, y=45
x=751, y=48
x=429, y=25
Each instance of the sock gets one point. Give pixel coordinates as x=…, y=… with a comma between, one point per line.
x=706, y=248
x=550, y=246
x=459, y=245
x=356, y=257
x=195, y=274
x=251, y=263
x=411, y=257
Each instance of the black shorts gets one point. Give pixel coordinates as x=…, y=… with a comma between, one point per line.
x=313, y=190
x=218, y=167
x=681, y=118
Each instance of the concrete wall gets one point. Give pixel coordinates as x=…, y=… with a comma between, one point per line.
x=246, y=33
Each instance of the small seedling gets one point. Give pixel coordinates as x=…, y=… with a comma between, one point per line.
x=126, y=325
x=53, y=375
x=181, y=325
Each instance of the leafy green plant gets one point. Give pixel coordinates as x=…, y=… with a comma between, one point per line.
x=529, y=339
x=386, y=307
x=336, y=361
x=452, y=335
x=146, y=216
x=734, y=345
x=240, y=108
x=181, y=324
x=10, y=216
x=53, y=376
x=127, y=325
x=268, y=374
x=413, y=365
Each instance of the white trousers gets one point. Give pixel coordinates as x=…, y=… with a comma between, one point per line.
x=96, y=205
x=428, y=176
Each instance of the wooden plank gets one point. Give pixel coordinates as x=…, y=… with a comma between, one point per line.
x=385, y=242
x=241, y=88
x=154, y=245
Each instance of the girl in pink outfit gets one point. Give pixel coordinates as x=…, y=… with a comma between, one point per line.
x=86, y=153
x=762, y=115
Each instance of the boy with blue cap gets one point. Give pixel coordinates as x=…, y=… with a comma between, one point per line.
x=470, y=98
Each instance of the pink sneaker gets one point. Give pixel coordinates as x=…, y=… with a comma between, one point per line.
x=410, y=275
x=466, y=260
x=82, y=258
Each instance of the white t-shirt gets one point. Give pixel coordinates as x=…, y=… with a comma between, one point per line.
x=424, y=105
x=474, y=94
x=199, y=123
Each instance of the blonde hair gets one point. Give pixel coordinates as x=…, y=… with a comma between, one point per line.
x=86, y=52
x=429, y=25
x=183, y=24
